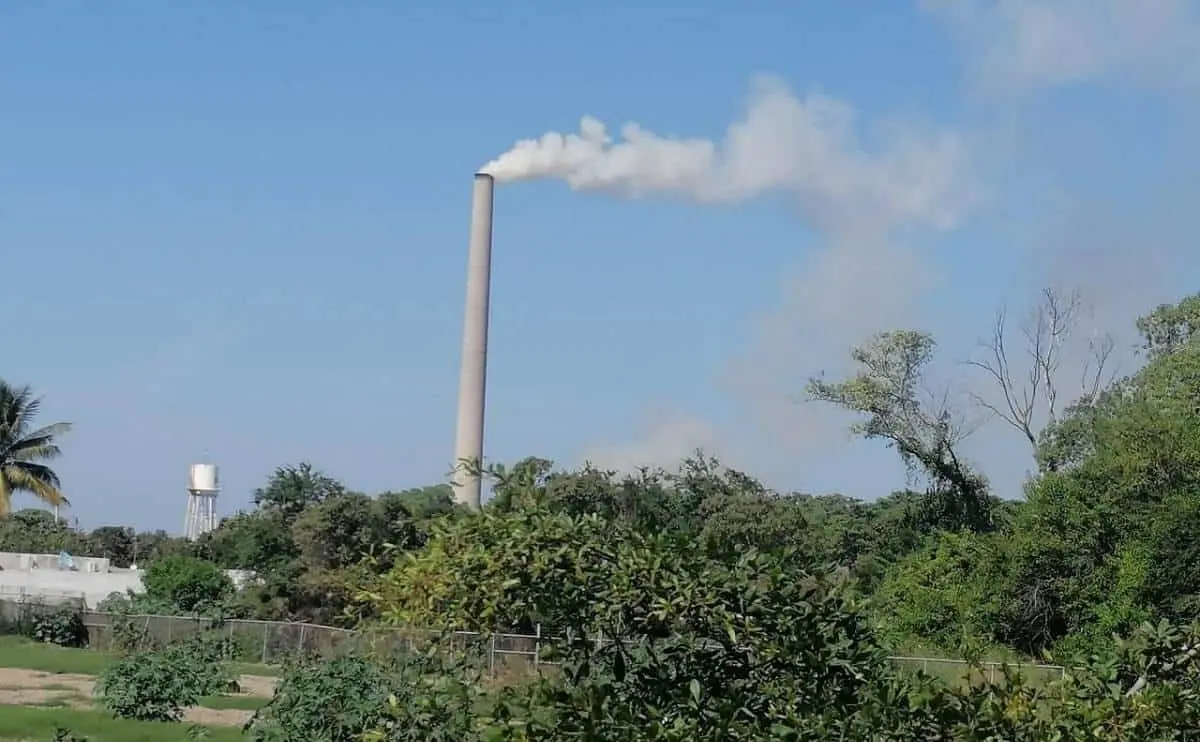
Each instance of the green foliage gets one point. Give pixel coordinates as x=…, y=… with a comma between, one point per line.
x=292, y=489
x=943, y=593
x=891, y=390
x=188, y=583
x=25, y=449
x=421, y=697
x=33, y=531
x=309, y=692
x=158, y=685
x=698, y=605
x=148, y=686
x=63, y=627
x=707, y=652
x=514, y=569
x=128, y=635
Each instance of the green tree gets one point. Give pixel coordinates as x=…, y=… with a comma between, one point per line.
x=891, y=390
x=188, y=583
x=113, y=542
x=1103, y=542
x=338, y=532
x=24, y=449
x=34, y=531
x=290, y=489
x=258, y=541
x=422, y=503
x=1170, y=326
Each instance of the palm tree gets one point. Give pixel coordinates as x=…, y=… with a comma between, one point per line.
x=22, y=448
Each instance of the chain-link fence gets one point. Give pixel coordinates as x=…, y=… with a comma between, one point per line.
x=966, y=673
x=507, y=654
x=268, y=642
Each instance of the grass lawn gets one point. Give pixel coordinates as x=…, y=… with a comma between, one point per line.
x=244, y=703
x=28, y=724
x=17, y=651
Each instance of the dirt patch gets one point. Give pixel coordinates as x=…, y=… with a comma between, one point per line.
x=34, y=688
x=259, y=686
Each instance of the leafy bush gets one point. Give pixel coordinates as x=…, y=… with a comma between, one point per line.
x=435, y=697
x=128, y=634
x=187, y=583
x=422, y=698
x=63, y=627
x=309, y=690
x=148, y=686
x=159, y=685
x=131, y=603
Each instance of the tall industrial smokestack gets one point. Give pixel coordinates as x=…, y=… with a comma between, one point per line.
x=472, y=384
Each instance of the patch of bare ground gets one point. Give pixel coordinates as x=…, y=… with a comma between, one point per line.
x=34, y=688
x=259, y=686
x=20, y=687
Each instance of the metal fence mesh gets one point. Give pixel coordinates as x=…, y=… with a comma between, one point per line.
x=269, y=642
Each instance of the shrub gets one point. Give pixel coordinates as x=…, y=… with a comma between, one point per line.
x=187, y=583
x=63, y=627
x=127, y=635
x=309, y=689
x=148, y=686
x=422, y=698
x=159, y=685
x=435, y=698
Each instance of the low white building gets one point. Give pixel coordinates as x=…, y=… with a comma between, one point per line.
x=47, y=578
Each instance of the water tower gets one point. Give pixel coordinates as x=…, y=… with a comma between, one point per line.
x=203, y=488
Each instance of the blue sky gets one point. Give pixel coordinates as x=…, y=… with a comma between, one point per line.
x=237, y=231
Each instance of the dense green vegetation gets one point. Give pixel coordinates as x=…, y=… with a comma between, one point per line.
x=699, y=605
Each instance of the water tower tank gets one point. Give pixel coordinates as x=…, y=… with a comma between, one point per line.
x=203, y=478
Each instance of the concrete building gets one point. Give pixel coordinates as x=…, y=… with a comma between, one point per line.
x=45, y=577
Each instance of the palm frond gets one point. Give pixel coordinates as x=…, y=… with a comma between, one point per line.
x=21, y=446
x=18, y=407
x=38, y=445
x=36, y=479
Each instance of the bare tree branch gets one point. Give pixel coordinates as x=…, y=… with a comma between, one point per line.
x=1034, y=400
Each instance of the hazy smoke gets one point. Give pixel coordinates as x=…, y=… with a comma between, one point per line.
x=807, y=147
x=1027, y=45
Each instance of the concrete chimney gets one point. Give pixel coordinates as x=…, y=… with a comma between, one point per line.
x=472, y=384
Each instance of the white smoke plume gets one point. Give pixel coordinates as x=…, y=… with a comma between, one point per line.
x=857, y=188
x=808, y=147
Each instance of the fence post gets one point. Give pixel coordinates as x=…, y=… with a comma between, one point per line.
x=492, y=657
x=300, y=649
x=266, y=633
x=537, y=648
x=992, y=673
x=170, y=628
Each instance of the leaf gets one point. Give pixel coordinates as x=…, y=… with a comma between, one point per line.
x=619, y=666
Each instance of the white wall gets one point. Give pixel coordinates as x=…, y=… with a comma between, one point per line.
x=49, y=583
